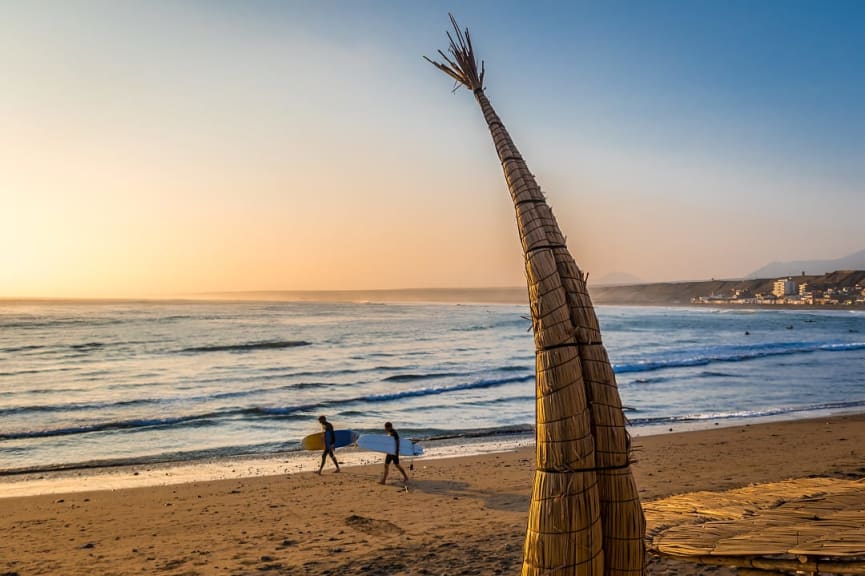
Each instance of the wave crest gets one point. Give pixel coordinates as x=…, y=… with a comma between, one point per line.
x=247, y=346
x=686, y=359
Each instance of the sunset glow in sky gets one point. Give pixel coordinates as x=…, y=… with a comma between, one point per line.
x=163, y=148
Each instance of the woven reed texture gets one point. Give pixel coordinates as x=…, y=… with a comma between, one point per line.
x=585, y=516
x=810, y=519
x=563, y=535
x=563, y=315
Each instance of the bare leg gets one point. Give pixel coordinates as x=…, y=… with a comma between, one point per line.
x=404, y=475
x=335, y=463
x=384, y=478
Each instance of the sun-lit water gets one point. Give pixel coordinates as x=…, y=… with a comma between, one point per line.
x=131, y=382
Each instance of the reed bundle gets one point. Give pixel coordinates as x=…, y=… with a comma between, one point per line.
x=808, y=525
x=585, y=516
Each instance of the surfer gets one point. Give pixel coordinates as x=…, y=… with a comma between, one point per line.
x=389, y=429
x=329, y=443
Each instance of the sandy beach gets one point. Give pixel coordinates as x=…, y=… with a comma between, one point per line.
x=462, y=515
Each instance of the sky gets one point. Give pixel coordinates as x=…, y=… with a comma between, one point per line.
x=158, y=148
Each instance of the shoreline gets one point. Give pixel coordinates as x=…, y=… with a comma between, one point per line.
x=85, y=478
x=460, y=515
x=126, y=476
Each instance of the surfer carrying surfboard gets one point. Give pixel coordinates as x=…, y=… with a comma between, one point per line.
x=329, y=444
x=389, y=429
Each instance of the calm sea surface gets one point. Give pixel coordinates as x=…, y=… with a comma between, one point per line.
x=133, y=382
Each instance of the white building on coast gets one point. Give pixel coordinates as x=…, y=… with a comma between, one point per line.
x=784, y=287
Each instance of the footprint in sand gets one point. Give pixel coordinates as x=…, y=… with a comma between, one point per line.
x=372, y=526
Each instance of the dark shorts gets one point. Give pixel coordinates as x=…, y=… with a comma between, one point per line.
x=391, y=458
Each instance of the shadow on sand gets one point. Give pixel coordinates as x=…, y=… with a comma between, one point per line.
x=455, y=489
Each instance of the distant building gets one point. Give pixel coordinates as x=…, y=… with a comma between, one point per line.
x=806, y=296
x=784, y=287
x=829, y=290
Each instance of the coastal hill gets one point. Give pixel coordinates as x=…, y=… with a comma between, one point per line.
x=680, y=293
x=661, y=293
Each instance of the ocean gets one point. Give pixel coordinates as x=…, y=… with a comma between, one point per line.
x=84, y=384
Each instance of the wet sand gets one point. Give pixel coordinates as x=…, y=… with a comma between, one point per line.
x=462, y=515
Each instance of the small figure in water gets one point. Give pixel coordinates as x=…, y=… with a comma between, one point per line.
x=389, y=429
x=329, y=444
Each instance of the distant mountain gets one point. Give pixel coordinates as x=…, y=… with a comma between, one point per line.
x=615, y=279
x=854, y=261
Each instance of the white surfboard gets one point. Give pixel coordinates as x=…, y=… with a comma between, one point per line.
x=385, y=443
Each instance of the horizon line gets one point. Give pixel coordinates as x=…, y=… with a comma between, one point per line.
x=252, y=294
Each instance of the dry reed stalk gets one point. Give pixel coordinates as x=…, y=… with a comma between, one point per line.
x=622, y=517
x=585, y=516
